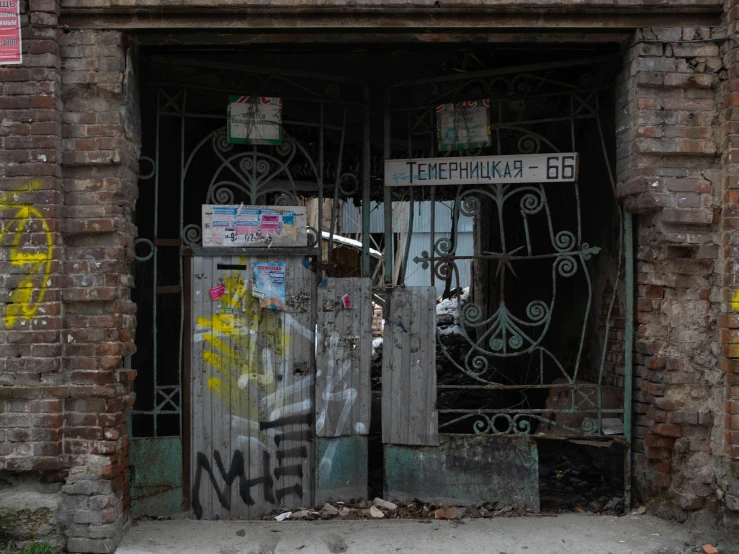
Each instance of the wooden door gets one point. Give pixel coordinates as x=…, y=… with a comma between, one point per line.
x=252, y=379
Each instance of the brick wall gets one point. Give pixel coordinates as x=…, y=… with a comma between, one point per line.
x=30, y=189
x=100, y=153
x=32, y=387
x=728, y=322
x=69, y=140
x=669, y=162
x=69, y=144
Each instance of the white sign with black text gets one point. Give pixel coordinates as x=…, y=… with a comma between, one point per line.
x=479, y=170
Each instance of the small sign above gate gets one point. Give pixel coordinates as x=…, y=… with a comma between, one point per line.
x=480, y=170
x=254, y=120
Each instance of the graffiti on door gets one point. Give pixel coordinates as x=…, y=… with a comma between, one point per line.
x=256, y=367
x=238, y=467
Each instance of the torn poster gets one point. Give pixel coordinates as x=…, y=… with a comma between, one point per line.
x=255, y=226
x=269, y=285
x=254, y=120
x=463, y=126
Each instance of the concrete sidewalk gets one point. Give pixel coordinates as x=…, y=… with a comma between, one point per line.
x=566, y=534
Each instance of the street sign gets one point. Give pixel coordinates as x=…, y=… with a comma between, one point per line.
x=480, y=170
x=10, y=32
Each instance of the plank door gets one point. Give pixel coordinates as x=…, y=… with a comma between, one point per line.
x=343, y=356
x=252, y=388
x=409, y=413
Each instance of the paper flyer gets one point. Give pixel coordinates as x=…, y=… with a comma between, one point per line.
x=253, y=226
x=463, y=125
x=269, y=285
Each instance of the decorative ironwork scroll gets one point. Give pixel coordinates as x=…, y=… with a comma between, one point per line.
x=524, y=355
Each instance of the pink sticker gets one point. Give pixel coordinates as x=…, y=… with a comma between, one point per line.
x=347, y=302
x=270, y=222
x=217, y=292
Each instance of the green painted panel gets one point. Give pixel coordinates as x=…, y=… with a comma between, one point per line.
x=342, y=468
x=465, y=470
x=156, y=476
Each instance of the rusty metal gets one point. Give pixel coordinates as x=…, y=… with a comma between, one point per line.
x=169, y=289
x=156, y=476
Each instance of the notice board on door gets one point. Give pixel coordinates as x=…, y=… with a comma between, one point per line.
x=256, y=226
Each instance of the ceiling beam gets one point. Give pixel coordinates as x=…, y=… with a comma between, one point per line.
x=575, y=18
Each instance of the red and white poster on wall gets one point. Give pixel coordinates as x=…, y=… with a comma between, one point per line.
x=10, y=32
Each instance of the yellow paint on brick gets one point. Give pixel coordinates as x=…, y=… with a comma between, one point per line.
x=26, y=298
x=731, y=351
x=735, y=301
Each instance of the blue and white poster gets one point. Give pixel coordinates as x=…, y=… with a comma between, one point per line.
x=269, y=285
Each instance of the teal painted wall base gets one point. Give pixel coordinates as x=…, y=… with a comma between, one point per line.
x=342, y=469
x=465, y=470
x=156, y=476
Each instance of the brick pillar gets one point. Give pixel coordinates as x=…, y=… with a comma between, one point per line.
x=100, y=163
x=669, y=173
x=32, y=386
x=729, y=318
x=30, y=143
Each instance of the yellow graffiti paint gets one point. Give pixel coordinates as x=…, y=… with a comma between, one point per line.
x=735, y=301
x=238, y=336
x=28, y=295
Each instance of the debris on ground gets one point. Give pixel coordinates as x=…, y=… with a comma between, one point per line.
x=380, y=508
x=138, y=519
x=579, y=480
x=709, y=549
x=241, y=533
x=329, y=510
x=384, y=504
x=449, y=513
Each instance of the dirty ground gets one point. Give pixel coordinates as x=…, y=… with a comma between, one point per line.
x=564, y=534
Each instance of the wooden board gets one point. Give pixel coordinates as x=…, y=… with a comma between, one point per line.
x=409, y=368
x=252, y=389
x=343, y=356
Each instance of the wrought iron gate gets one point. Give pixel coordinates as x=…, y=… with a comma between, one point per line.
x=240, y=362
x=541, y=345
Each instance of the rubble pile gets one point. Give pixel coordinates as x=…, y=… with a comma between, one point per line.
x=383, y=509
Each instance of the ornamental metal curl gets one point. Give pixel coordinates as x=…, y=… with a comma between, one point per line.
x=192, y=235
x=250, y=172
x=511, y=321
x=146, y=176
x=490, y=422
x=312, y=233
x=150, y=245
